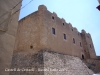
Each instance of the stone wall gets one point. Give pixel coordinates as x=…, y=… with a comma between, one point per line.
x=94, y=65
x=88, y=46
x=27, y=60
x=65, y=64
x=46, y=62
x=28, y=34
x=8, y=29
x=36, y=31
x=56, y=42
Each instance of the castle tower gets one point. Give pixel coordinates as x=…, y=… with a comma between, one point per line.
x=88, y=46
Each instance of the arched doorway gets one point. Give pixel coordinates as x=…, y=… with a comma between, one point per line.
x=82, y=57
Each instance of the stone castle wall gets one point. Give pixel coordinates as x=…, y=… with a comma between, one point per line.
x=44, y=30
x=94, y=65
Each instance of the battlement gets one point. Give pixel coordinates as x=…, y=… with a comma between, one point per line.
x=42, y=7
x=54, y=15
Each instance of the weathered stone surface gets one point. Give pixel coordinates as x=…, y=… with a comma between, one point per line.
x=48, y=63
x=8, y=30
x=27, y=60
x=94, y=65
x=66, y=65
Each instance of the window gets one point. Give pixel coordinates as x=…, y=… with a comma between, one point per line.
x=52, y=17
x=82, y=57
x=65, y=36
x=63, y=24
x=53, y=30
x=80, y=44
x=72, y=29
x=90, y=46
x=31, y=47
x=73, y=40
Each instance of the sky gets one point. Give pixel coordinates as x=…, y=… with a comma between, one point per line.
x=82, y=14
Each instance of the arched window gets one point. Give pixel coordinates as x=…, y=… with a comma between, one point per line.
x=73, y=40
x=65, y=36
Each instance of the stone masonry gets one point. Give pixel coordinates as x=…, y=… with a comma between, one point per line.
x=44, y=30
x=46, y=62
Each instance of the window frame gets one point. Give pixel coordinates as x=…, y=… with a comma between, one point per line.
x=53, y=31
x=64, y=36
x=73, y=40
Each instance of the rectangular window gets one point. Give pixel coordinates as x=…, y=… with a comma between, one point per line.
x=72, y=29
x=90, y=46
x=65, y=36
x=73, y=40
x=53, y=30
x=80, y=44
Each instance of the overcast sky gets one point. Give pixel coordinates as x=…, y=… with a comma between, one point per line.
x=82, y=14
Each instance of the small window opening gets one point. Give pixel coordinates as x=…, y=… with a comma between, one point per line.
x=63, y=24
x=80, y=44
x=90, y=46
x=52, y=17
x=82, y=57
x=53, y=30
x=73, y=40
x=65, y=36
x=89, y=67
x=31, y=47
x=72, y=29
